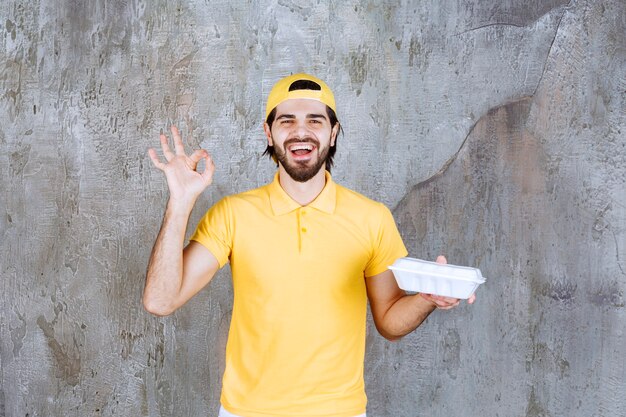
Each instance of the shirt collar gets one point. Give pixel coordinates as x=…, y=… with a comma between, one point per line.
x=282, y=204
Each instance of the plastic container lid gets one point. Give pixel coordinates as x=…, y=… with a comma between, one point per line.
x=447, y=280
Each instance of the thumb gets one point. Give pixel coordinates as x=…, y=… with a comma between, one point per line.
x=441, y=260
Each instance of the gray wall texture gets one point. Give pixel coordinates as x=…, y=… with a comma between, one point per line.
x=493, y=129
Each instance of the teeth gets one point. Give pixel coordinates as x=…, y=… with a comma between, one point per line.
x=304, y=146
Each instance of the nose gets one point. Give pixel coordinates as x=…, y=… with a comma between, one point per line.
x=300, y=129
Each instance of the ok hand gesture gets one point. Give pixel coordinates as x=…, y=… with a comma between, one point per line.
x=184, y=182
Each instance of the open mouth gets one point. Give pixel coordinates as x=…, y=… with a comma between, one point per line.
x=301, y=149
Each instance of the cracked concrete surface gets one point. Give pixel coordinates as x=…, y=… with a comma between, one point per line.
x=495, y=129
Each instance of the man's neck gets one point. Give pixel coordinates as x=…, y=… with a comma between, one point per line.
x=302, y=192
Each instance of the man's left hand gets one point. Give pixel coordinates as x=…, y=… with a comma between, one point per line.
x=445, y=303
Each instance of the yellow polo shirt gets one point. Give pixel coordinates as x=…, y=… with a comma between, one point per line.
x=296, y=344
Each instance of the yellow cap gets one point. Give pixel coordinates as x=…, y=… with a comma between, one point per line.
x=280, y=92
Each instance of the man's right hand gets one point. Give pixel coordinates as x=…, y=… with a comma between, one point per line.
x=184, y=182
x=174, y=275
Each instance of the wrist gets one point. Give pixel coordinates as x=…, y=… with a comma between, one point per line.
x=429, y=300
x=180, y=206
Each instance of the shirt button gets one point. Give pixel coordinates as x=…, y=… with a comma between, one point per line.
x=303, y=212
x=304, y=230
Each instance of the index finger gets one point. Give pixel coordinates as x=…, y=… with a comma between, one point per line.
x=155, y=159
x=445, y=299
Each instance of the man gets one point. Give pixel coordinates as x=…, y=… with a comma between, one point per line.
x=306, y=255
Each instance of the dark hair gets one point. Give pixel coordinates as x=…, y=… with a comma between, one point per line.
x=305, y=85
x=332, y=117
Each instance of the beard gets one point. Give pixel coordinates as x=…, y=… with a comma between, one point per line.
x=301, y=171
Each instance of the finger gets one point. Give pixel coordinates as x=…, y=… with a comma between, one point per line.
x=447, y=306
x=441, y=260
x=445, y=303
x=426, y=296
x=165, y=146
x=178, y=141
x=155, y=159
x=198, y=155
x=471, y=299
x=445, y=299
x=209, y=169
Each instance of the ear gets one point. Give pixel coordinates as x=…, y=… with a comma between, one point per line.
x=333, y=134
x=268, y=133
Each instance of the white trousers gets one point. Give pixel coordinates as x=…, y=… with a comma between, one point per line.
x=224, y=413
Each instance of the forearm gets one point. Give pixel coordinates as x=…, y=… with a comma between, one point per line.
x=397, y=314
x=404, y=316
x=164, y=277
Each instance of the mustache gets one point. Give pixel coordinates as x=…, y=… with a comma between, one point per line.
x=306, y=139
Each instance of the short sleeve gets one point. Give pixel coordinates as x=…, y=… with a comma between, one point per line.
x=214, y=231
x=387, y=245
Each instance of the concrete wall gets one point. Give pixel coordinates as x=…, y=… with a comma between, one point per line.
x=494, y=129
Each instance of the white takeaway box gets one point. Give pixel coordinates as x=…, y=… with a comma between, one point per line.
x=427, y=277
